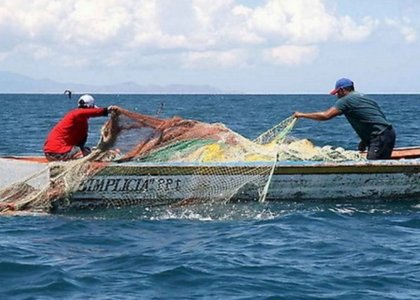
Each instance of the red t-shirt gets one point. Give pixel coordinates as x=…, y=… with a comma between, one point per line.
x=72, y=130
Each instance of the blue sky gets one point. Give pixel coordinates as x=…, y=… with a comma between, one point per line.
x=267, y=46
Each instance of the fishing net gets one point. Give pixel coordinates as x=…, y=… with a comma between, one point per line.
x=146, y=160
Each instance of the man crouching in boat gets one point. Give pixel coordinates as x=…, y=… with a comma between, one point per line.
x=66, y=141
x=364, y=115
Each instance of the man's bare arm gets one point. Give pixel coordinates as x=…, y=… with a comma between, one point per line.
x=320, y=115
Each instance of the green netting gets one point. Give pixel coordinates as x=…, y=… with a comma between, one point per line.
x=175, y=150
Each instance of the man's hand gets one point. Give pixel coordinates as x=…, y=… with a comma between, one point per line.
x=113, y=108
x=362, y=146
x=297, y=114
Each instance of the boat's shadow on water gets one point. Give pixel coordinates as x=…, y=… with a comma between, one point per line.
x=253, y=210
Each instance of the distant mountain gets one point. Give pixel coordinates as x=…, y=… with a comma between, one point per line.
x=15, y=83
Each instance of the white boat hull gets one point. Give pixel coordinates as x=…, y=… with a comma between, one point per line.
x=154, y=184
x=162, y=184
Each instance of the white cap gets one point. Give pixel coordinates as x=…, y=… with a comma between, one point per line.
x=86, y=101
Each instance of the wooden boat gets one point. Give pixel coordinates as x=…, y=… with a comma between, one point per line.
x=133, y=183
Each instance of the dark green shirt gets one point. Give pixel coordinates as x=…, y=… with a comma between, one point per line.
x=363, y=114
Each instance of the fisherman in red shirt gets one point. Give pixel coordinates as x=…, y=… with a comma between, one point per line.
x=67, y=139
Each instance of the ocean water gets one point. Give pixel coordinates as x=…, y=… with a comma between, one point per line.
x=276, y=250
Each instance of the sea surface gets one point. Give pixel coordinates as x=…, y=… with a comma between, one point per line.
x=275, y=250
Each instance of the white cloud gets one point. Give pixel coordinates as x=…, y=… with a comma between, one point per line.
x=408, y=32
x=291, y=55
x=304, y=21
x=91, y=22
x=215, y=59
x=350, y=31
x=37, y=51
x=3, y=55
x=217, y=33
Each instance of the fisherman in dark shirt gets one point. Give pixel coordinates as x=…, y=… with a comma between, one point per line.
x=364, y=115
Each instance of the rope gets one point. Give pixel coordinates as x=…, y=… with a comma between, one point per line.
x=279, y=138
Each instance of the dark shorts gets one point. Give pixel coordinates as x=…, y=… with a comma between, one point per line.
x=380, y=146
x=74, y=153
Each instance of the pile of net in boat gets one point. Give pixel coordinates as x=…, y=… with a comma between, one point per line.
x=143, y=138
x=132, y=137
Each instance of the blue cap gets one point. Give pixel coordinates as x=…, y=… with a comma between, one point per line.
x=341, y=83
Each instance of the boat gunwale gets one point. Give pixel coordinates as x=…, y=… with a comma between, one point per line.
x=281, y=168
x=408, y=166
